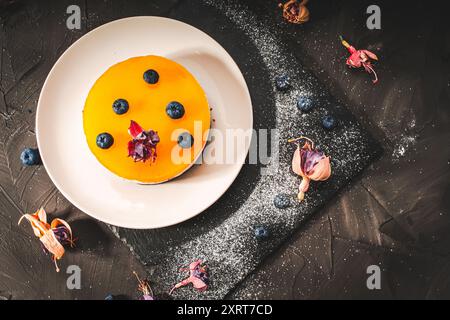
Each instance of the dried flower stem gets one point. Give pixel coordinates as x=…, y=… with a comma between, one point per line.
x=144, y=286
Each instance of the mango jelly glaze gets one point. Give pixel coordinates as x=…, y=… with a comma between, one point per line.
x=147, y=106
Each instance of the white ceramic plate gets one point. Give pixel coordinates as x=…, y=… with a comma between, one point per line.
x=59, y=128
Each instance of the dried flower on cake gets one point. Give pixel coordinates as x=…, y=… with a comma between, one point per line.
x=144, y=288
x=295, y=11
x=198, y=276
x=53, y=236
x=143, y=145
x=310, y=164
x=360, y=58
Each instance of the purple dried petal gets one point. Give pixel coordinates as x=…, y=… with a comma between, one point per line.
x=62, y=234
x=201, y=273
x=154, y=138
x=309, y=159
x=143, y=147
x=139, y=149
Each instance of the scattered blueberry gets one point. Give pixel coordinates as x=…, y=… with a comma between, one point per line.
x=282, y=82
x=328, y=122
x=109, y=297
x=30, y=157
x=261, y=233
x=120, y=106
x=151, y=76
x=175, y=110
x=281, y=201
x=185, y=140
x=105, y=140
x=305, y=104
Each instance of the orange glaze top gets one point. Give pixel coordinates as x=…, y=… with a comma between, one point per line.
x=147, y=106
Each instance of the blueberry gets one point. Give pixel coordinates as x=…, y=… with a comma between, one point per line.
x=282, y=82
x=175, y=110
x=151, y=76
x=185, y=140
x=328, y=122
x=281, y=201
x=105, y=140
x=304, y=104
x=109, y=297
x=30, y=157
x=120, y=106
x=261, y=233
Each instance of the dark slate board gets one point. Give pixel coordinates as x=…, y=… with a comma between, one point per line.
x=223, y=234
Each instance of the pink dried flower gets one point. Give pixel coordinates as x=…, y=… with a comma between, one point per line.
x=310, y=164
x=360, y=58
x=198, y=276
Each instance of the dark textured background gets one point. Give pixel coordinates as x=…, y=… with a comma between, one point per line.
x=396, y=215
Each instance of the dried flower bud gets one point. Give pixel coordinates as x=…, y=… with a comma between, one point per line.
x=310, y=164
x=53, y=236
x=295, y=11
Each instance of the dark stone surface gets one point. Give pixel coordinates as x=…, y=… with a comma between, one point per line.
x=396, y=215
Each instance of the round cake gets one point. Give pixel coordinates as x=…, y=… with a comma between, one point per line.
x=146, y=119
